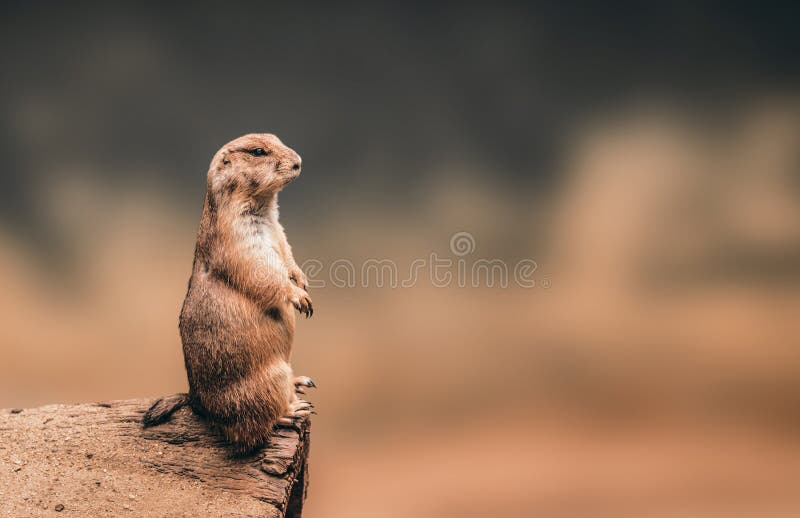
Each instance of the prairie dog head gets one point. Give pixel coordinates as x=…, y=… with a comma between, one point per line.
x=255, y=165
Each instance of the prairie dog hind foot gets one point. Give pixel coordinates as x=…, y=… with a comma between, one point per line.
x=298, y=410
x=301, y=383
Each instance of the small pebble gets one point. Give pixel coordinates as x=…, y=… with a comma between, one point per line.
x=59, y=507
x=16, y=410
x=89, y=455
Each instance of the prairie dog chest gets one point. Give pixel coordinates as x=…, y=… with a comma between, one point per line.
x=259, y=236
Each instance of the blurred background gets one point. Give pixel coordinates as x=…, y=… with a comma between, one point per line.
x=646, y=158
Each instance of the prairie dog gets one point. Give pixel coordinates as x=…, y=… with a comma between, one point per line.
x=237, y=323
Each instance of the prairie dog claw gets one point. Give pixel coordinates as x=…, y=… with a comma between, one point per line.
x=304, y=381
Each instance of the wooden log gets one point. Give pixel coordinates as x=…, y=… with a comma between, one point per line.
x=97, y=460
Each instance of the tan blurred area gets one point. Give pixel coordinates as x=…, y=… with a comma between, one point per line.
x=653, y=371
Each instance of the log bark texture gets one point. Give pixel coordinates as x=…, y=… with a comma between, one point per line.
x=97, y=460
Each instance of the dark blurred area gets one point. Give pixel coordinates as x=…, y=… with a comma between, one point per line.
x=646, y=157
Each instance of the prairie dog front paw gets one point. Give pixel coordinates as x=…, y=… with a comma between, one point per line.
x=301, y=301
x=299, y=278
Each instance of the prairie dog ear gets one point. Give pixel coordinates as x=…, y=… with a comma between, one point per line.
x=220, y=169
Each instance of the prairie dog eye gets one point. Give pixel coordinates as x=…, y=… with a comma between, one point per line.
x=259, y=151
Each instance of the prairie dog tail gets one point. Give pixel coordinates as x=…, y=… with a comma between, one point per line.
x=163, y=408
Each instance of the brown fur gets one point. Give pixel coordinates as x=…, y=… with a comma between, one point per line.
x=237, y=323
